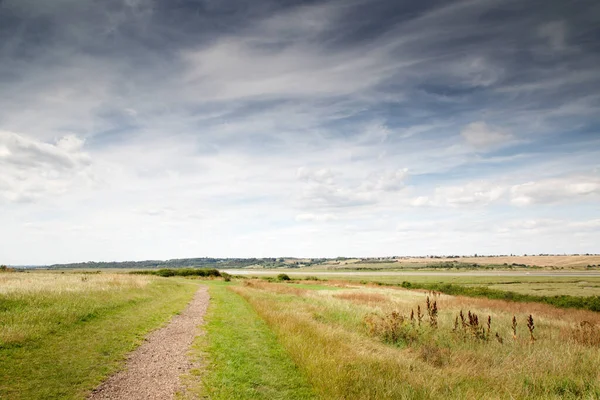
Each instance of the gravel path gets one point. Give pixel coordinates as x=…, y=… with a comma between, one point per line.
x=153, y=369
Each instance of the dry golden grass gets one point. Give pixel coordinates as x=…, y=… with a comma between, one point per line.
x=560, y=316
x=327, y=333
x=31, y=283
x=363, y=297
x=539, y=261
x=281, y=289
x=587, y=333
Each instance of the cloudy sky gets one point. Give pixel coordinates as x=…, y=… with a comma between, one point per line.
x=145, y=129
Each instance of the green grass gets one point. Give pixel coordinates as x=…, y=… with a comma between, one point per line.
x=61, y=344
x=244, y=360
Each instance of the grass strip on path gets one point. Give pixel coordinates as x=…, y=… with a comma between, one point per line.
x=243, y=358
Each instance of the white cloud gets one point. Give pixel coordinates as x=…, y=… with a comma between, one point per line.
x=315, y=217
x=32, y=169
x=564, y=189
x=237, y=67
x=482, y=136
x=592, y=225
x=323, y=188
x=470, y=194
x=322, y=175
x=317, y=195
x=389, y=181
x=571, y=188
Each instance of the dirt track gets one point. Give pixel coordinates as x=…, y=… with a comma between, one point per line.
x=153, y=369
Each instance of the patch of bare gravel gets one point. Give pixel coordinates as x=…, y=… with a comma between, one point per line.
x=154, y=368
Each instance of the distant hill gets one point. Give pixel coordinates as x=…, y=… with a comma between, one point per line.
x=192, y=262
x=541, y=260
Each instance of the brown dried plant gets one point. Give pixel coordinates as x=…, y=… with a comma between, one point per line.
x=428, y=304
x=499, y=338
x=433, y=314
x=462, y=319
x=514, y=327
x=476, y=330
x=531, y=327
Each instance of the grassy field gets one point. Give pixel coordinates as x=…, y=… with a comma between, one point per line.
x=524, y=284
x=361, y=343
x=534, y=285
x=61, y=334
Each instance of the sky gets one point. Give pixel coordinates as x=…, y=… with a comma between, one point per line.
x=159, y=129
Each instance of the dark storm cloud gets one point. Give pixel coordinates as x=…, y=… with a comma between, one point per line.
x=453, y=49
x=259, y=75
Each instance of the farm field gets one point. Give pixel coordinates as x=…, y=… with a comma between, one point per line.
x=568, y=261
x=548, y=262
x=61, y=334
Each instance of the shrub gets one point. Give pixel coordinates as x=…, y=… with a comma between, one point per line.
x=392, y=328
x=283, y=277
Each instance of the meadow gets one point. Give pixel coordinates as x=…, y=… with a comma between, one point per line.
x=61, y=334
x=355, y=341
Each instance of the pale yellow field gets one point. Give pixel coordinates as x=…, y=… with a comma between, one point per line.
x=540, y=261
x=30, y=283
